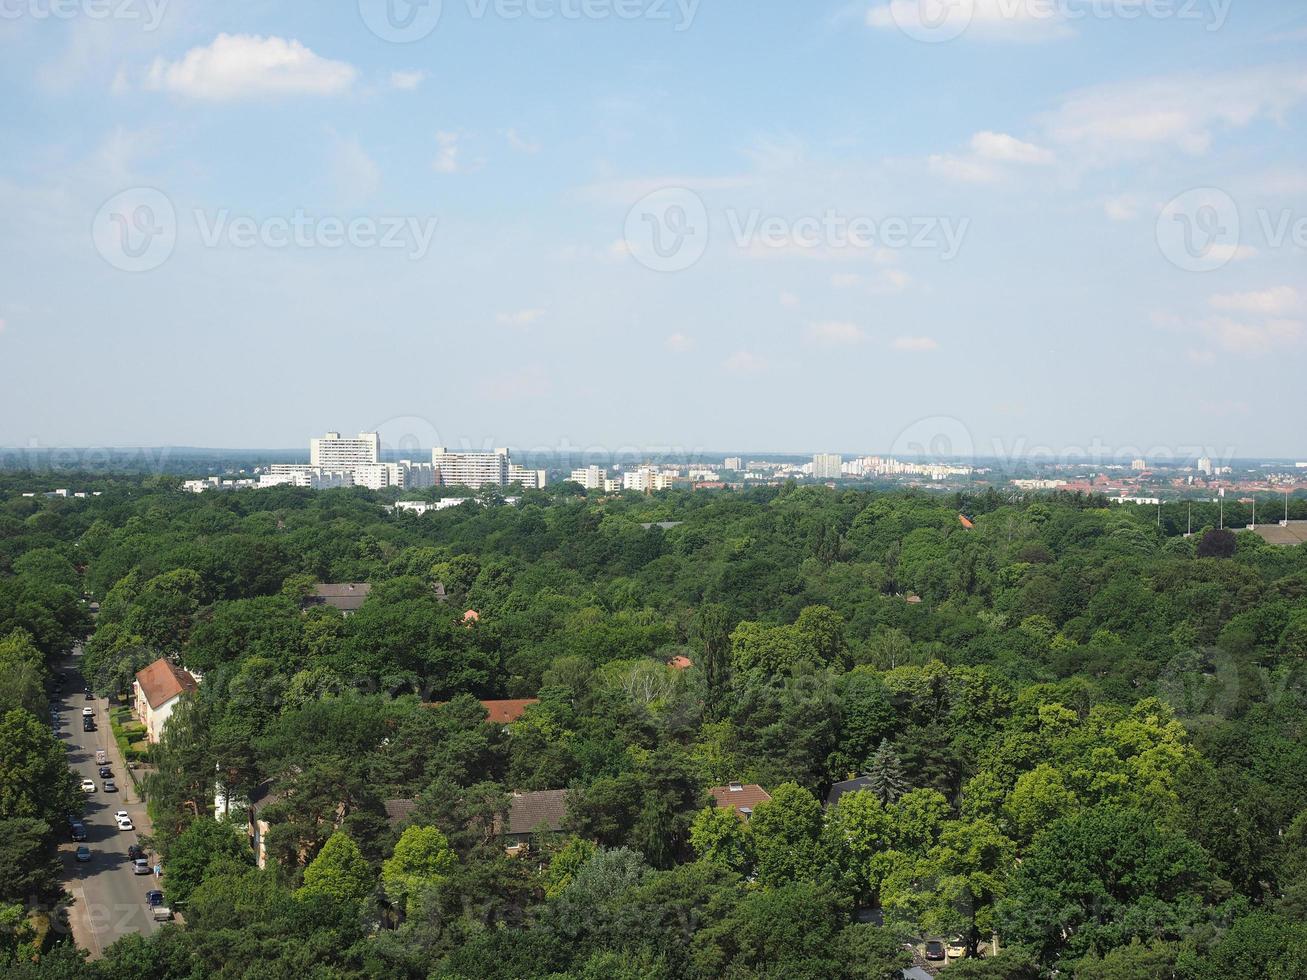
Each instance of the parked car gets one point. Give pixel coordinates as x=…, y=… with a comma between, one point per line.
x=135, y=851
x=88, y=712
x=79, y=831
x=154, y=897
x=105, y=772
x=109, y=786
x=89, y=695
x=88, y=724
x=161, y=913
x=141, y=866
x=101, y=757
x=88, y=785
x=934, y=949
x=83, y=854
x=956, y=948
x=124, y=821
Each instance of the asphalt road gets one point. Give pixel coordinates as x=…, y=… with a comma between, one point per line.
x=108, y=899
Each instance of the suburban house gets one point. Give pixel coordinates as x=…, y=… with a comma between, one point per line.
x=156, y=691
x=847, y=786
x=740, y=797
x=529, y=813
x=345, y=597
x=507, y=712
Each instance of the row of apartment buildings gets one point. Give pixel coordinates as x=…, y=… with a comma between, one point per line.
x=337, y=461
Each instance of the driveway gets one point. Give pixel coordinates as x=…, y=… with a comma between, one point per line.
x=108, y=899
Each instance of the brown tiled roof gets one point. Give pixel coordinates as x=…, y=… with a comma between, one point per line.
x=528, y=812
x=506, y=712
x=397, y=811
x=345, y=596
x=740, y=797
x=162, y=681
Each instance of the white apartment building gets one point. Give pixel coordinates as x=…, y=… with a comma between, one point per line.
x=591, y=477
x=827, y=466
x=472, y=470
x=734, y=463
x=647, y=479
x=1205, y=466
x=334, y=453
x=309, y=477
x=406, y=475
x=530, y=479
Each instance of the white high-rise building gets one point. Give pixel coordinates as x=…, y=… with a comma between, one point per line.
x=1139, y=465
x=334, y=453
x=734, y=463
x=647, y=479
x=530, y=479
x=406, y=475
x=470, y=469
x=591, y=477
x=827, y=466
x=1205, y=466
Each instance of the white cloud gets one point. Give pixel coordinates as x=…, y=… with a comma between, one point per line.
x=915, y=344
x=834, y=333
x=989, y=20
x=679, y=343
x=744, y=362
x=1120, y=120
x=1124, y=208
x=885, y=281
x=847, y=280
x=1277, y=301
x=407, y=81
x=789, y=300
x=244, y=66
x=1240, y=337
x=1009, y=149
x=2, y=324
x=447, y=161
x=520, y=318
x=520, y=143
x=965, y=169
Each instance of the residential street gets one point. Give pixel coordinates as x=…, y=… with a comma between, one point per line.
x=108, y=899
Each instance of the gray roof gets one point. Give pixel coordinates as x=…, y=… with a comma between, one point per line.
x=848, y=786
x=397, y=811
x=345, y=596
x=528, y=812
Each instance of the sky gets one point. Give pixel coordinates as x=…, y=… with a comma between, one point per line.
x=979, y=227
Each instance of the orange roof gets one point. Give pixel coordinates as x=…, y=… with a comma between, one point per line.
x=965, y=523
x=506, y=712
x=471, y=616
x=162, y=681
x=680, y=663
x=740, y=797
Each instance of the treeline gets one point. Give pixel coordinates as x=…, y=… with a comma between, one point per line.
x=1082, y=732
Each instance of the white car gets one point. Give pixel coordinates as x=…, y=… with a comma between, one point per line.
x=124, y=820
x=88, y=785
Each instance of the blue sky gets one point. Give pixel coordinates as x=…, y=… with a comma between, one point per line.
x=618, y=224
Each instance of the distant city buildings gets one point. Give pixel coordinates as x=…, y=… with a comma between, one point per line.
x=827, y=466
x=1205, y=466
x=1139, y=465
x=331, y=452
x=734, y=463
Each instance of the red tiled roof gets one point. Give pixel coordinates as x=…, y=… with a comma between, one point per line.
x=162, y=681
x=506, y=712
x=739, y=796
x=965, y=523
x=680, y=663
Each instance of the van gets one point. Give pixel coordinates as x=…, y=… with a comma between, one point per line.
x=161, y=913
x=100, y=757
x=88, y=712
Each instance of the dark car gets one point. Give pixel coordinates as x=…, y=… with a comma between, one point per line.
x=154, y=898
x=88, y=725
x=89, y=696
x=105, y=772
x=934, y=949
x=79, y=831
x=135, y=851
x=83, y=854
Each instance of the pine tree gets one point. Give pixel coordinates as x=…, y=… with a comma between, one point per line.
x=885, y=771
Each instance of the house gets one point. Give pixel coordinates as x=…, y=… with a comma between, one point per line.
x=398, y=811
x=156, y=692
x=847, y=786
x=680, y=663
x=507, y=712
x=345, y=597
x=529, y=813
x=740, y=797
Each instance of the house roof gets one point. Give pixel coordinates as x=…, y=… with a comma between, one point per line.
x=680, y=663
x=740, y=796
x=506, y=712
x=530, y=811
x=162, y=681
x=847, y=786
x=344, y=596
x=1295, y=532
x=397, y=811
